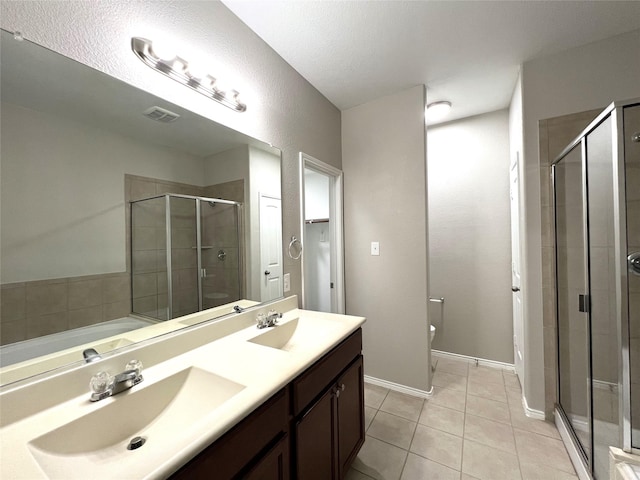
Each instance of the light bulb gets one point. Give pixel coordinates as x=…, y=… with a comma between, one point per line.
x=197, y=70
x=163, y=50
x=438, y=110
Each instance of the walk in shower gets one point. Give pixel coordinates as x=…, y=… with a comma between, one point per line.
x=186, y=255
x=597, y=233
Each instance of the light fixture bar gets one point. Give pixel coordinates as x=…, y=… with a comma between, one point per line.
x=177, y=68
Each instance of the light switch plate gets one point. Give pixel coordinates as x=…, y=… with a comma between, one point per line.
x=287, y=282
x=375, y=248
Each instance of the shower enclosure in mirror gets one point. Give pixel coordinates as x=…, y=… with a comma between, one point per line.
x=77, y=147
x=597, y=223
x=186, y=255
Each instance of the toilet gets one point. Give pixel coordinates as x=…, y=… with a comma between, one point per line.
x=432, y=332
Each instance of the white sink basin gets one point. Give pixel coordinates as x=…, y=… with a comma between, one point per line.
x=283, y=337
x=154, y=412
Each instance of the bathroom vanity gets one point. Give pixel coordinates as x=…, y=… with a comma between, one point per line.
x=221, y=399
x=312, y=428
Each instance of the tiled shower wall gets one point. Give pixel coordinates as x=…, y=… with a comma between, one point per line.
x=149, y=254
x=149, y=248
x=220, y=232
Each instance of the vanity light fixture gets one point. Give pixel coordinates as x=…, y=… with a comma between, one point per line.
x=438, y=110
x=179, y=69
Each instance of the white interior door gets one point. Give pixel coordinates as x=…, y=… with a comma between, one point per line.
x=271, y=286
x=518, y=327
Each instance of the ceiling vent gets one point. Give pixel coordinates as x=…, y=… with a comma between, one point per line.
x=161, y=115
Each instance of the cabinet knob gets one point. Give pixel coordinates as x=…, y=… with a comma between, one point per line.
x=337, y=393
x=342, y=387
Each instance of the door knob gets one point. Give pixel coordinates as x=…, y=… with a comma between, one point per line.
x=267, y=272
x=515, y=289
x=634, y=263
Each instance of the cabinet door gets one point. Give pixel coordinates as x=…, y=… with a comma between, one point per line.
x=314, y=440
x=350, y=413
x=274, y=465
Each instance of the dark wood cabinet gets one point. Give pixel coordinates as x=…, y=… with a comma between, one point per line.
x=329, y=431
x=273, y=465
x=311, y=429
x=314, y=440
x=350, y=411
x=245, y=445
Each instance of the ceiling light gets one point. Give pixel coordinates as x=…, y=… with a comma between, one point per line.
x=177, y=68
x=438, y=110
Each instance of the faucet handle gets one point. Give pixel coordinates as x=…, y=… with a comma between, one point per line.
x=101, y=385
x=135, y=365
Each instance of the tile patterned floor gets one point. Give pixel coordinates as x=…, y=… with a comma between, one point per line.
x=474, y=427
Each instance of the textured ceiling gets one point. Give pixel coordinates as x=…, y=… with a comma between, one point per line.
x=467, y=52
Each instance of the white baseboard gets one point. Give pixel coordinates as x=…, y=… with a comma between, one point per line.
x=529, y=412
x=396, y=387
x=474, y=360
x=532, y=413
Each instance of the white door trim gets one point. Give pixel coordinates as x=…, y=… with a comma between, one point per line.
x=516, y=269
x=337, y=230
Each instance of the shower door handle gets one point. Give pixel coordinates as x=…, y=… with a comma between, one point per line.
x=583, y=303
x=634, y=263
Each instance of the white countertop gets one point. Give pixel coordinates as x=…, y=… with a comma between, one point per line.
x=260, y=370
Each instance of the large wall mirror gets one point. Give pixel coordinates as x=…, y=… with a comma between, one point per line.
x=121, y=213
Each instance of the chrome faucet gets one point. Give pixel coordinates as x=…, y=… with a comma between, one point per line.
x=268, y=320
x=104, y=385
x=90, y=355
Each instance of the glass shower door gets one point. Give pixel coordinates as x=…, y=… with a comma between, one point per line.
x=183, y=278
x=632, y=176
x=602, y=295
x=220, y=280
x=572, y=302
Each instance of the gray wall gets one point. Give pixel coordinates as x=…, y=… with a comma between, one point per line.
x=385, y=201
x=283, y=108
x=470, y=236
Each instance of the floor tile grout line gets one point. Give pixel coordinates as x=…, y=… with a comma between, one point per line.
x=417, y=422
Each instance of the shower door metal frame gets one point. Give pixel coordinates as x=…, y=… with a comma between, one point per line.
x=622, y=275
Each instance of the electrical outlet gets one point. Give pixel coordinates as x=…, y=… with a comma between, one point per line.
x=375, y=248
x=287, y=282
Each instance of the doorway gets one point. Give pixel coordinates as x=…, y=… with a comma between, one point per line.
x=322, y=236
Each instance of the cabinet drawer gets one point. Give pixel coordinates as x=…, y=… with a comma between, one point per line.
x=314, y=380
x=237, y=448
